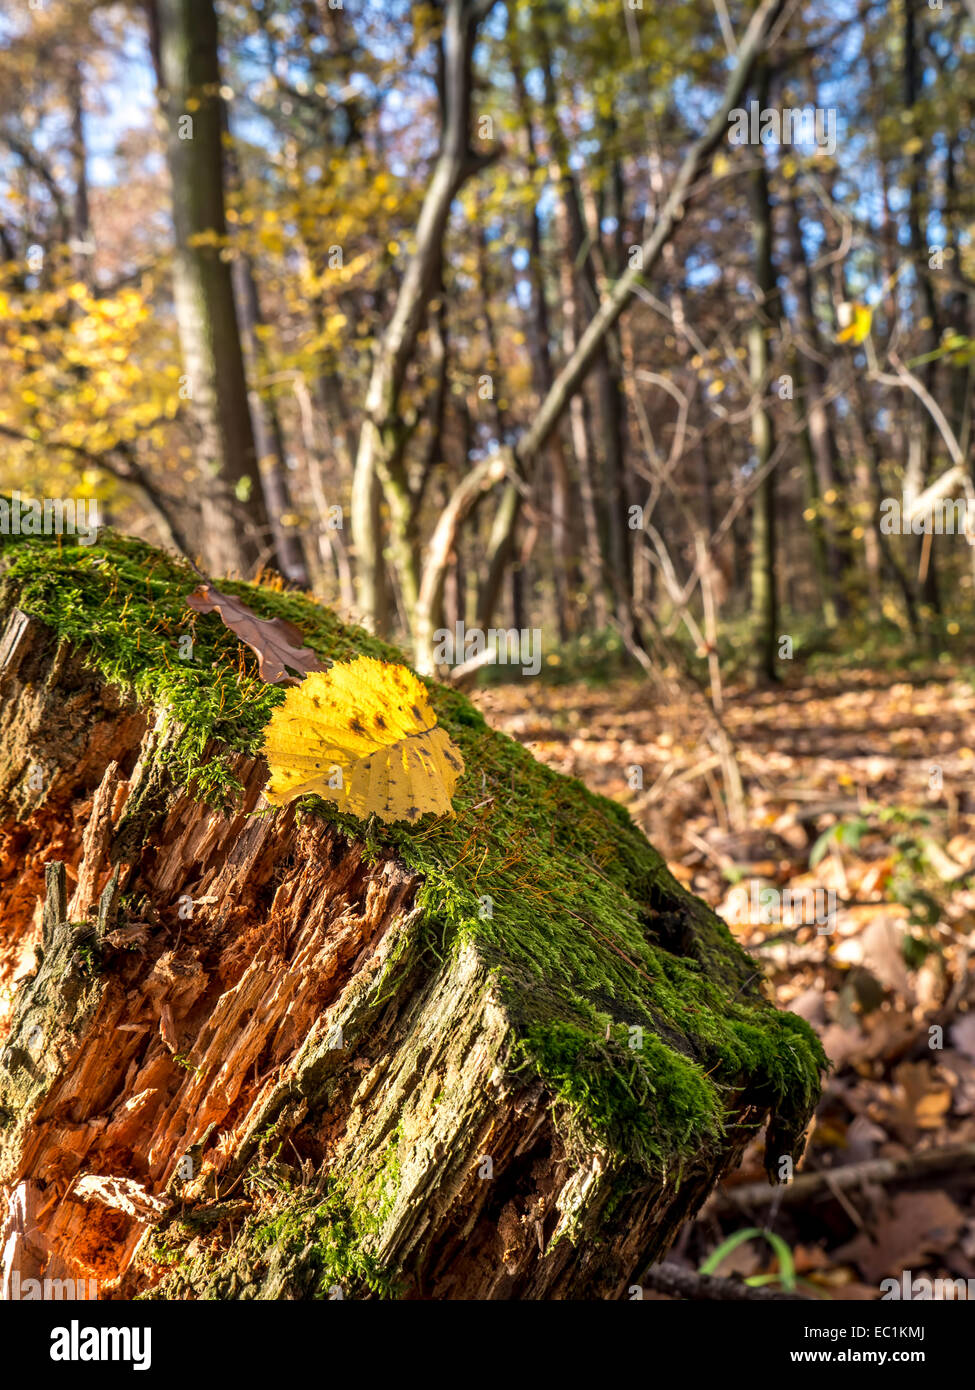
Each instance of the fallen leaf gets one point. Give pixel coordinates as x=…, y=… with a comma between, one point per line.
x=862, y=1140
x=875, y=879
x=809, y=1257
x=883, y=952
x=364, y=736
x=917, y=1223
x=922, y=1098
x=277, y=644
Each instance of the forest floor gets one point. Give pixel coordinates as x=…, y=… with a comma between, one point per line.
x=859, y=783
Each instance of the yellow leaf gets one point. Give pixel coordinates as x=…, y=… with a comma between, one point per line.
x=364, y=736
x=857, y=328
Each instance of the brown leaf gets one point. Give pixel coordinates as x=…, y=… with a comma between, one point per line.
x=276, y=643
x=922, y=1098
x=809, y=1257
x=883, y=952
x=918, y=1223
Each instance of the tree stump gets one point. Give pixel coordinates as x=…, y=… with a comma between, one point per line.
x=257, y=1053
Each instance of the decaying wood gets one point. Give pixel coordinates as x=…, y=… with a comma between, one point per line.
x=202, y=993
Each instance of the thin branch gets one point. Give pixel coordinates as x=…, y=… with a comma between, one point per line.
x=687, y=1285
x=958, y=1159
x=125, y=471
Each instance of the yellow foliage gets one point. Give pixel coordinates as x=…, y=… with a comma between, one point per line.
x=364, y=736
x=857, y=330
x=82, y=371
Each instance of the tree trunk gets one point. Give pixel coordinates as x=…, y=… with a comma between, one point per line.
x=764, y=595
x=928, y=309
x=235, y=528
x=582, y=300
x=268, y=435
x=377, y=454
x=82, y=249
x=539, y=331
x=818, y=440
x=250, y=1057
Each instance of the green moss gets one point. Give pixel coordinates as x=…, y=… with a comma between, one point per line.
x=586, y=933
x=303, y=1243
x=647, y=1092
x=307, y=1245
x=324, y=1241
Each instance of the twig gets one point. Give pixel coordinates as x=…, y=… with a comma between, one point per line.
x=958, y=1159
x=705, y=1288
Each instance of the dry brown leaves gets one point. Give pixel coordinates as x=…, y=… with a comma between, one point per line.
x=283, y=659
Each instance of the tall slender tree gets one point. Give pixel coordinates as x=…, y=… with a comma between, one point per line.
x=184, y=39
x=764, y=590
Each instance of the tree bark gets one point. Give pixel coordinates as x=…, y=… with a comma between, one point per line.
x=539, y=337
x=268, y=435
x=235, y=526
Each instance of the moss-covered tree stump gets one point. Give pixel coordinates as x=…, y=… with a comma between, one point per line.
x=251, y=1053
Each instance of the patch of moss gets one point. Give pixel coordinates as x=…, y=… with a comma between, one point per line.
x=325, y=1242
x=648, y=1091
x=586, y=933
x=302, y=1243
x=313, y=1246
